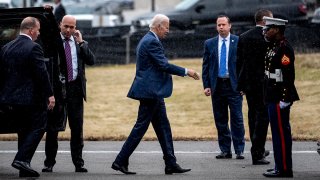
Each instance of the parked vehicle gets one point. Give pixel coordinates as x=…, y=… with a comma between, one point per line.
x=96, y=13
x=190, y=13
x=6, y=4
x=316, y=17
x=10, y=20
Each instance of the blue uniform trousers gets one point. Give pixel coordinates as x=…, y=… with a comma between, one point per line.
x=281, y=136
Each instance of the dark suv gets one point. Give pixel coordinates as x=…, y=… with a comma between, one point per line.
x=190, y=13
x=10, y=20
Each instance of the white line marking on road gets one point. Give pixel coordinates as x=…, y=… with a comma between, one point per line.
x=150, y=152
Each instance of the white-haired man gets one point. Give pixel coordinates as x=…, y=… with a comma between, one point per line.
x=153, y=83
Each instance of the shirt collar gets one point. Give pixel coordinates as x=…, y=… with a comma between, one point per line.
x=63, y=38
x=227, y=38
x=155, y=35
x=23, y=34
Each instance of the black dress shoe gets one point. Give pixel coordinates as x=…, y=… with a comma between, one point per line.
x=271, y=169
x=278, y=174
x=224, y=155
x=25, y=167
x=240, y=156
x=175, y=169
x=81, y=169
x=121, y=168
x=47, y=169
x=266, y=153
x=27, y=174
x=262, y=161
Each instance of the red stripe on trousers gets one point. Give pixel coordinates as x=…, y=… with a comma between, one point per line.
x=283, y=145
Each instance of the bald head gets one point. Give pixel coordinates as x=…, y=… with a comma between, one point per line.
x=28, y=23
x=68, y=26
x=69, y=18
x=31, y=27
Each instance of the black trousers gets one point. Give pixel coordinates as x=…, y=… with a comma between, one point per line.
x=75, y=118
x=30, y=136
x=258, y=123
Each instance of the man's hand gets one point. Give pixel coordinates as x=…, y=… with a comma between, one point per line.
x=52, y=102
x=207, y=91
x=284, y=104
x=242, y=93
x=46, y=6
x=78, y=36
x=192, y=73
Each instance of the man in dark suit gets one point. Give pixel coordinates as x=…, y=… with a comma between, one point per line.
x=59, y=11
x=153, y=83
x=220, y=82
x=251, y=51
x=25, y=89
x=77, y=55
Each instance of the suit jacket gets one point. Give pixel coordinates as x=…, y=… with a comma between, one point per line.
x=24, y=77
x=59, y=12
x=85, y=57
x=153, y=78
x=252, y=49
x=210, y=66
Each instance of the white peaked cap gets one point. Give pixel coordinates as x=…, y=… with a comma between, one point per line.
x=274, y=21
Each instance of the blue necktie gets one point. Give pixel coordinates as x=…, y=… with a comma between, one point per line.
x=223, y=59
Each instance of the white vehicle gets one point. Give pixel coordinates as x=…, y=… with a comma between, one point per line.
x=6, y=4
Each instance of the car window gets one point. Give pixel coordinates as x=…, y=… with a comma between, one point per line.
x=215, y=5
x=72, y=9
x=186, y=4
x=8, y=33
x=245, y=3
x=279, y=2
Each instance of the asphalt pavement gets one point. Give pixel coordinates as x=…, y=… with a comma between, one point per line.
x=148, y=163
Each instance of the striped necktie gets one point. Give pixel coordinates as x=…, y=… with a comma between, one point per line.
x=67, y=50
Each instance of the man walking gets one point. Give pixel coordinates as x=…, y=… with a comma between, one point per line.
x=153, y=83
x=25, y=89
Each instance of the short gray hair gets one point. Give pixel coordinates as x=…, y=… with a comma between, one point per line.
x=158, y=19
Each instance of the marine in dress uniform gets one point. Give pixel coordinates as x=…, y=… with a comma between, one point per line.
x=279, y=94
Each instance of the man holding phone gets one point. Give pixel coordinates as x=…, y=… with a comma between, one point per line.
x=77, y=55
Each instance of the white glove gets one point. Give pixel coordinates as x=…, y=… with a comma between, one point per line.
x=284, y=104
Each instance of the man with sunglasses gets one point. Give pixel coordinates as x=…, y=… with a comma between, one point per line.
x=279, y=94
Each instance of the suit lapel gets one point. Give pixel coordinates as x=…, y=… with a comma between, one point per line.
x=232, y=47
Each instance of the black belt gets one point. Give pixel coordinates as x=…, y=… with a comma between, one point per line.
x=223, y=79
